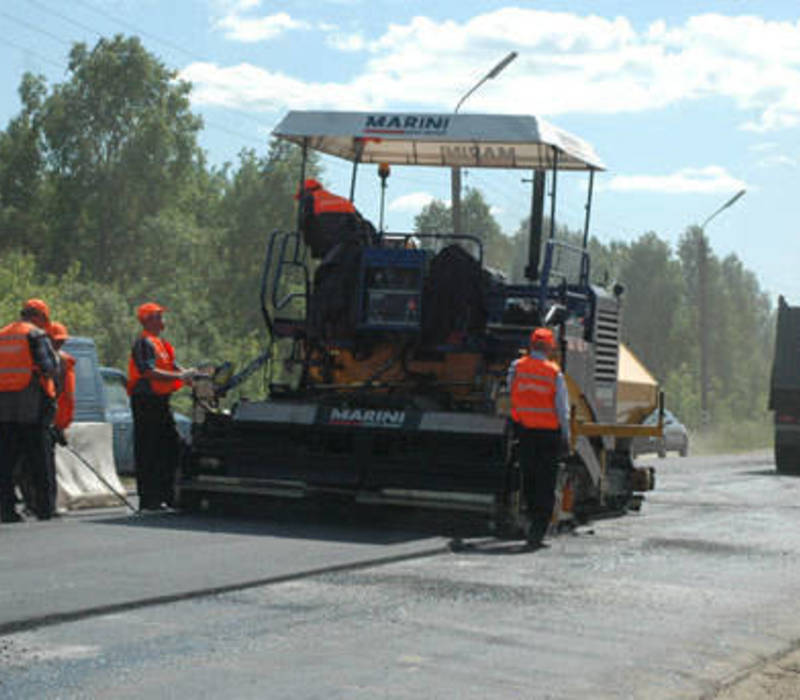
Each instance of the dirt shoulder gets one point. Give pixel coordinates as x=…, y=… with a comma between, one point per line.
x=778, y=679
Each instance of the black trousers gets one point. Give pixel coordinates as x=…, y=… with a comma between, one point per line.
x=156, y=449
x=539, y=451
x=30, y=443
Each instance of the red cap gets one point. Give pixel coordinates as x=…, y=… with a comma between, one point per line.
x=148, y=309
x=308, y=185
x=40, y=306
x=543, y=336
x=57, y=331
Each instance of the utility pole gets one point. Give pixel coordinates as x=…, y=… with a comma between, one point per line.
x=703, y=314
x=455, y=172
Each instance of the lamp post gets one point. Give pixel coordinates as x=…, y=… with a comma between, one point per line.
x=455, y=173
x=703, y=316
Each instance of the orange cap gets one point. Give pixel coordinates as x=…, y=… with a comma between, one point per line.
x=57, y=331
x=148, y=309
x=40, y=306
x=543, y=336
x=308, y=185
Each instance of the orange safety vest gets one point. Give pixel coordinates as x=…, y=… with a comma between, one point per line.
x=65, y=401
x=328, y=203
x=17, y=367
x=165, y=360
x=533, y=394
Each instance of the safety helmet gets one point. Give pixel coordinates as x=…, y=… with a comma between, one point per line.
x=543, y=336
x=38, y=305
x=147, y=309
x=57, y=331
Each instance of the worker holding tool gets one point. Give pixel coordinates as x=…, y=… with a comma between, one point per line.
x=153, y=375
x=64, y=412
x=28, y=368
x=539, y=408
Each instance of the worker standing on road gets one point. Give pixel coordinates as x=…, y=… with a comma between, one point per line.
x=64, y=412
x=153, y=375
x=28, y=368
x=539, y=407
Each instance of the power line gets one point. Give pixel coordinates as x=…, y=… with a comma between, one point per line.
x=34, y=28
x=141, y=32
x=210, y=124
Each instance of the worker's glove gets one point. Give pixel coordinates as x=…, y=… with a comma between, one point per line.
x=188, y=375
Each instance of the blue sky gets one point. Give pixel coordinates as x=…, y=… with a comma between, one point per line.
x=685, y=102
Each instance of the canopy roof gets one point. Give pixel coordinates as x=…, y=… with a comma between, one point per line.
x=450, y=140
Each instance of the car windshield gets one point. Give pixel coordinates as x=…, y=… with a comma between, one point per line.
x=116, y=394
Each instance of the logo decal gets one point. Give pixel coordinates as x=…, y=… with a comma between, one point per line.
x=367, y=418
x=406, y=124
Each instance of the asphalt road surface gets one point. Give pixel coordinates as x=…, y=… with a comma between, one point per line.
x=693, y=597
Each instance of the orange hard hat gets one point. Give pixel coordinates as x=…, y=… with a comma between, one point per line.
x=39, y=306
x=308, y=185
x=148, y=309
x=57, y=331
x=543, y=336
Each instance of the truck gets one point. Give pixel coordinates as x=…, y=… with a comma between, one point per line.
x=784, y=388
x=387, y=361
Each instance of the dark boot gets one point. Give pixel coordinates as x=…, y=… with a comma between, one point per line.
x=10, y=516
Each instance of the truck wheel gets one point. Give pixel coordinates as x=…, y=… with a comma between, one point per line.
x=684, y=451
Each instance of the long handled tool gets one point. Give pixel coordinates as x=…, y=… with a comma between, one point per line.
x=83, y=461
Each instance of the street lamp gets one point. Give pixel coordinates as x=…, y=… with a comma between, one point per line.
x=702, y=283
x=455, y=173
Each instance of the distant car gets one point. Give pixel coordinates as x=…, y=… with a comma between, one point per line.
x=675, y=438
x=118, y=412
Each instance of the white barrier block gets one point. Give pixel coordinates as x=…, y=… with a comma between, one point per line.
x=78, y=487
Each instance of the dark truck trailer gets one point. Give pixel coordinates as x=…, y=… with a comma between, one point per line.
x=784, y=390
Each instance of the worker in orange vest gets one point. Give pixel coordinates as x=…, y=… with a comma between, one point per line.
x=539, y=408
x=326, y=219
x=28, y=368
x=65, y=400
x=153, y=375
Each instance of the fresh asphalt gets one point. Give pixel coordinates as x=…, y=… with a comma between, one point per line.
x=677, y=601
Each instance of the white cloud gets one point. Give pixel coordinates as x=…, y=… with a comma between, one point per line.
x=413, y=202
x=711, y=179
x=346, y=42
x=778, y=160
x=568, y=63
x=252, y=29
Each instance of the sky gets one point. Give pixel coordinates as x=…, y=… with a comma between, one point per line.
x=686, y=102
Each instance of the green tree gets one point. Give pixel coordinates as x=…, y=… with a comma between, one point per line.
x=653, y=295
x=119, y=143
x=21, y=172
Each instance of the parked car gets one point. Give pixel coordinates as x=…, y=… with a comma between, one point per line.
x=675, y=438
x=101, y=397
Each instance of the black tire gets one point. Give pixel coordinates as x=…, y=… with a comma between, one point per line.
x=684, y=452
